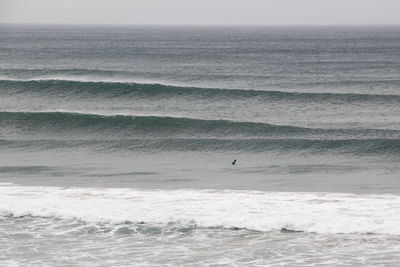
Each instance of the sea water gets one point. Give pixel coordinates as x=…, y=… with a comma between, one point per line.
x=116, y=145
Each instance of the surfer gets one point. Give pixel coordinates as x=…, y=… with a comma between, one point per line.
x=234, y=162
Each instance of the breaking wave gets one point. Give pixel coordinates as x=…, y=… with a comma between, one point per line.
x=71, y=125
x=112, y=89
x=254, y=210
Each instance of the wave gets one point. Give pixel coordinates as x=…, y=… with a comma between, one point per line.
x=368, y=147
x=60, y=125
x=24, y=169
x=40, y=72
x=346, y=83
x=124, y=76
x=109, y=90
x=254, y=210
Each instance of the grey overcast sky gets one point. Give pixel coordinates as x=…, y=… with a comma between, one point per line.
x=201, y=12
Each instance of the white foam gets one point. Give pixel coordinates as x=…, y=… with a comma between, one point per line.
x=105, y=113
x=6, y=184
x=94, y=79
x=263, y=211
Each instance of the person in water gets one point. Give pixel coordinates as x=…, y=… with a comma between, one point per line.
x=234, y=162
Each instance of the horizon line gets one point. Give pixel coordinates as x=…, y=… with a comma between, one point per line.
x=195, y=25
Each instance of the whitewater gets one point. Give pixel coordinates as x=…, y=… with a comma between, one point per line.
x=254, y=210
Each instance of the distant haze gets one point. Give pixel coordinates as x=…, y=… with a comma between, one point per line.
x=202, y=12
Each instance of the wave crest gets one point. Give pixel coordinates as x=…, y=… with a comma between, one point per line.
x=108, y=90
x=78, y=125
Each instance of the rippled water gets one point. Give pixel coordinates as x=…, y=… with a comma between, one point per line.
x=37, y=241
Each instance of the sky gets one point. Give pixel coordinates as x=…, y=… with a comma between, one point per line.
x=202, y=12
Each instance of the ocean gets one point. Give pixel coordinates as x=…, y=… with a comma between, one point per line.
x=116, y=145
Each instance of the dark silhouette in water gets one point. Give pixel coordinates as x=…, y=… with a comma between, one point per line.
x=234, y=162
